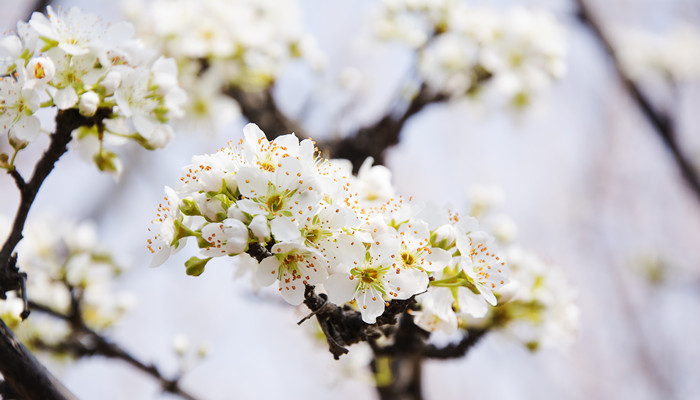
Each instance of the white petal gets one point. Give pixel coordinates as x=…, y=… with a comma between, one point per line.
x=436, y=260
x=27, y=128
x=292, y=290
x=251, y=182
x=65, y=98
x=267, y=271
x=371, y=305
x=471, y=303
x=284, y=229
x=340, y=288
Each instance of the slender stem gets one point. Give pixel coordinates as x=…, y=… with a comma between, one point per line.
x=93, y=343
x=661, y=122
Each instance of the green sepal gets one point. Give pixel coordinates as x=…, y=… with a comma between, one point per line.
x=106, y=161
x=195, y=266
x=181, y=231
x=189, y=207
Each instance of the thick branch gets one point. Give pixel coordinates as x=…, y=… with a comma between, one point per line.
x=23, y=374
x=260, y=107
x=373, y=140
x=661, y=123
x=87, y=342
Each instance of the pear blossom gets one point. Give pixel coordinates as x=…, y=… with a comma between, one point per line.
x=223, y=44
x=294, y=266
x=73, y=60
x=324, y=227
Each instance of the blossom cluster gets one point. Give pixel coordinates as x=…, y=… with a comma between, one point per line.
x=73, y=60
x=219, y=44
x=65, y=264
x=507, y=56
x=674, y=54
x=537, y=307
x=350, y=236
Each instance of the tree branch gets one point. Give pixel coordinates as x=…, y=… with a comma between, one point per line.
x=342, y=326
x=86, y=342
x=373, y=140
x=260, y=107
x=455, y=350
x=661, y=122
x=22, y=372
x=39, y=6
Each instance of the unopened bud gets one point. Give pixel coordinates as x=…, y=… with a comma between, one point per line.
x=88, y=103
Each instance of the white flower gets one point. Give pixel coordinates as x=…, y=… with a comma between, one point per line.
x=17, y=107
x=78, y=33
x=40, y=70
x=294, y=266
x=375, y=279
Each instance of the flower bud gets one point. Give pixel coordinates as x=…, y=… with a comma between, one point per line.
x=260, y=228
x=445, y=236
x=88, y=103
x=111, y=82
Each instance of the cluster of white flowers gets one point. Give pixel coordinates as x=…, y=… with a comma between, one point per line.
x=537, y=306
x=324, y=227
x=224, y=43
x=72, y=60
x=507, y=55
x=674, y=54
x=61, y=257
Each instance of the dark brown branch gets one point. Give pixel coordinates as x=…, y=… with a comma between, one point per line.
x=39, y=6
x=260, y=107
x=661, y=122
x=455, y=350
x=373, y=140
x=86, y=342
x=23, y=374
x=342, y=326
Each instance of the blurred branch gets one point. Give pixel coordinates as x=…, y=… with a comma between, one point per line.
x=456, y=350
x=373, y=140
x=23, y=374
x=260, y=107
x=84, y=341
x=39, y=6
x=660, y=121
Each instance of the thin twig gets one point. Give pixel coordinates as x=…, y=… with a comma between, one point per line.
x=91, y=343
x=661, y=122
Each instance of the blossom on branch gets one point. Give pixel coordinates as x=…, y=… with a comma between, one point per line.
x=73, y=60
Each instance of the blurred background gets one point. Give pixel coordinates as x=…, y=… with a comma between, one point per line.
x=589, y=183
